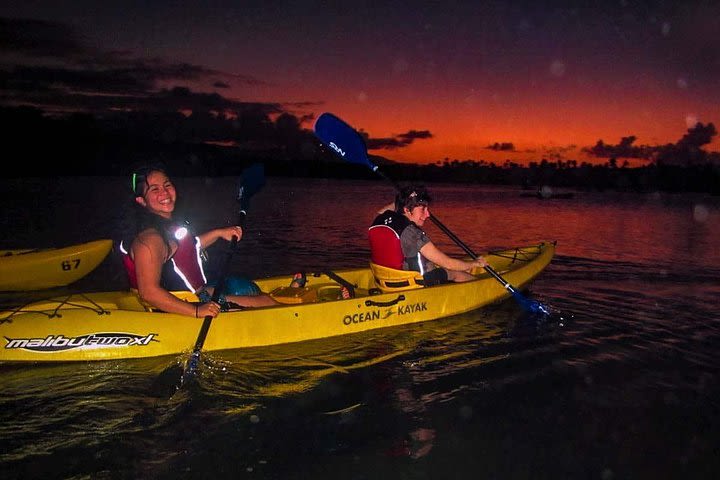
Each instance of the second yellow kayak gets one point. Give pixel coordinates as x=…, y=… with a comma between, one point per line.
x=53, y=267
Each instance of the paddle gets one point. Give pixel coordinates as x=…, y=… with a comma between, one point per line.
x=253, y=179
x=347, y=143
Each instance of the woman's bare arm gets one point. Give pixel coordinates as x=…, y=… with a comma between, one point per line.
x=211, y=236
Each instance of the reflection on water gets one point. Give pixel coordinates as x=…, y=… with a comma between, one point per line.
x=294, y=222
x=622, y=383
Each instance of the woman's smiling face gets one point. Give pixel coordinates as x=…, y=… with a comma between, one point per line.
x=158, y=194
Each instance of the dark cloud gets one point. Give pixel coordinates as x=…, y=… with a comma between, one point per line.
x=698, y=136
x=686, y=151
x=129, y=104
x=557, y=153
x=309, y=118
x=51, y=97
x=398, y=141
x=624, y=149
x=66, y=81
x=47, y=65
x=501, y=147
x=39, y=38
x=412, y=135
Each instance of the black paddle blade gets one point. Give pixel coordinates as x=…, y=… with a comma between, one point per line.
x=168, y=382
x=342, y=139
x=253, y=180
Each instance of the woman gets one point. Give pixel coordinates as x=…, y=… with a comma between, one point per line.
x=164, y=256
x=398, y=241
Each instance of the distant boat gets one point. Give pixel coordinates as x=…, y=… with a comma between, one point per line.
x=547, y=193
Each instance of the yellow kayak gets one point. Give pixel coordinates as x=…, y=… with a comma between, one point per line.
x=53, y=267
x=116, y=325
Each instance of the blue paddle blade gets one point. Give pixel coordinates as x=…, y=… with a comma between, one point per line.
x=253, y=179
x=532, y=306
x=342, y=139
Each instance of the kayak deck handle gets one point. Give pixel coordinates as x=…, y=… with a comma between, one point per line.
x=371, y=303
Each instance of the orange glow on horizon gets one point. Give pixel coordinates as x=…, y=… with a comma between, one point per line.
x=543, y=118
x=537, y=132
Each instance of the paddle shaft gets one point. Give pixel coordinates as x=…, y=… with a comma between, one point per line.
x=246, y=191
x=453, y=237
x=205, y=328
x=472, y=254
x=334, y=276
x=526, y=303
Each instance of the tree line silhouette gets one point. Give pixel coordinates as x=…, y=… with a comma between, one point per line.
x=207, y=144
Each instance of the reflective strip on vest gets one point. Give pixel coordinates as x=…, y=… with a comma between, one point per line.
x=198, y=261
x=188, y=254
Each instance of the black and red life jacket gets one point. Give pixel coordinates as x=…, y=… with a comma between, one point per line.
x=183, y=271
x=384, y=235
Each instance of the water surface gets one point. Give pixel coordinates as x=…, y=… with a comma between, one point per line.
x=621, y=383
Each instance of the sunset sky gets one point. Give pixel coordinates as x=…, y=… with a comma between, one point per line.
x=435, y=79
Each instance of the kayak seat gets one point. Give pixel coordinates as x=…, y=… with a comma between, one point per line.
x=292, y=295
x=324, y=292
x=329, y=293
x=393, y=280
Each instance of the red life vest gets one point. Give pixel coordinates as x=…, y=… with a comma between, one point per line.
x=183, y=271
x=384, y=235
